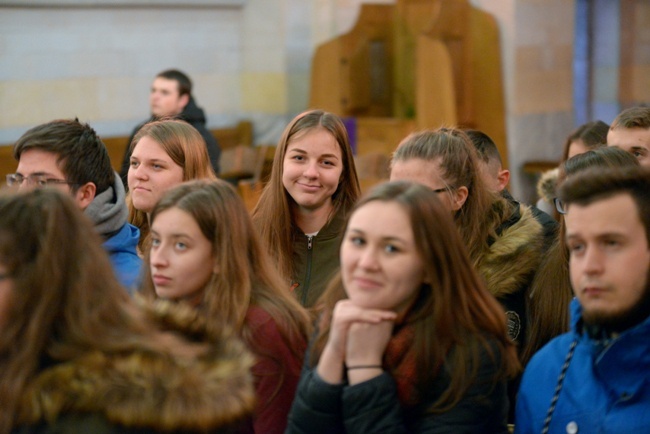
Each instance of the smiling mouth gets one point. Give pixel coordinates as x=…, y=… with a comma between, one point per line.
x=309, y=187
x=366, y=283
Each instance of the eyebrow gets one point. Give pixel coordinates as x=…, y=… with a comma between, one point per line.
x=153, y=160
x=301, y=151
x=359, y=231
x=174, y=235
x=610, y=234
x=37, y=174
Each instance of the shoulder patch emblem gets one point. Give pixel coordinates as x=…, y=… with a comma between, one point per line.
x=513, y=322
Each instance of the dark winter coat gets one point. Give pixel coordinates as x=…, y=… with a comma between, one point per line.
x=373, y=406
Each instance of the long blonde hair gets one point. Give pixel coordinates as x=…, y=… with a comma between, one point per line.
x=272, y=215
x=185, y=146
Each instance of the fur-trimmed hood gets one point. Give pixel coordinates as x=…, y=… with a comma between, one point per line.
x=547, y=184
x=514, y=255
x=141, y=389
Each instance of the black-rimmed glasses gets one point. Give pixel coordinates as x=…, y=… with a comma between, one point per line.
x=37, y=180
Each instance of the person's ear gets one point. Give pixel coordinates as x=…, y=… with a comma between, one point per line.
x=85, y=195
x=503, y=178
x=184, y=99
x=459, y=197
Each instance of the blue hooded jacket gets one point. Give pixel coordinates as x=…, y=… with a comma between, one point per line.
x=606, y=388
x=122, y=250
x=109, y=213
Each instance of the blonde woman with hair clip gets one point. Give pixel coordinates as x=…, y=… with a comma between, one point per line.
x=164, y=153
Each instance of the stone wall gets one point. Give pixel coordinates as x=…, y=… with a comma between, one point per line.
x=96, y=61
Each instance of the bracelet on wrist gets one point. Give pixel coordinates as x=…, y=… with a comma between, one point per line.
x=349, y=368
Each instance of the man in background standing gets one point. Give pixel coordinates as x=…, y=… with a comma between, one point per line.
x=171, y=96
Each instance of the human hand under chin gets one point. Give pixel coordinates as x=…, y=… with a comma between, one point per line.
x=366, y=344
x=350, y=321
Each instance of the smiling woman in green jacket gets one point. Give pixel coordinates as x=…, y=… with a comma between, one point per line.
x=300, y=213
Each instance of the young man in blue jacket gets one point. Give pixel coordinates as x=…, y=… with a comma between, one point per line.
x=596, y=378
x=69, y=155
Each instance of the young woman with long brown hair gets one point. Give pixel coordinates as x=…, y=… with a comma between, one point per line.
x=588, y=136
x=205, y=252
x=76, y=352
x=301, y=212
x=164, y=153
x=504, y=241
x=409, y=339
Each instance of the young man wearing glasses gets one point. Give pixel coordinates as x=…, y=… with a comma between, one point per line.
x=69, y=155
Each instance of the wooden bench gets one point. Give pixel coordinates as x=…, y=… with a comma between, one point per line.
x=231, y=139
x=7, y=162
x=245, y=165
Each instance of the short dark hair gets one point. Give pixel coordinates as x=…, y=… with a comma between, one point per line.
x=594, y=184
x=608, y=156
x=485, y=147
x=634, y=117
x=80, y=152
x=184, y=82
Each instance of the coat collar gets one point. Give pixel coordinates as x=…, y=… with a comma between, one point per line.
x=514, y=255
x=622, y=362
x=149, y=390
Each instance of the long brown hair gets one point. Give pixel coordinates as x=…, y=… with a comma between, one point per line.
x=65, y=300
x=185, y=146
x=592, y=135
x=483, y=211
x=246, y=275
x=454, y=317
x=272, y=215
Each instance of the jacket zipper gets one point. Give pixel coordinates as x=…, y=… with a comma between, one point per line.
x=310, y=244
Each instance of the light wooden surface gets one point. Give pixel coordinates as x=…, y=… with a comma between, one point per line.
x=440, y=60
x=231, y=139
